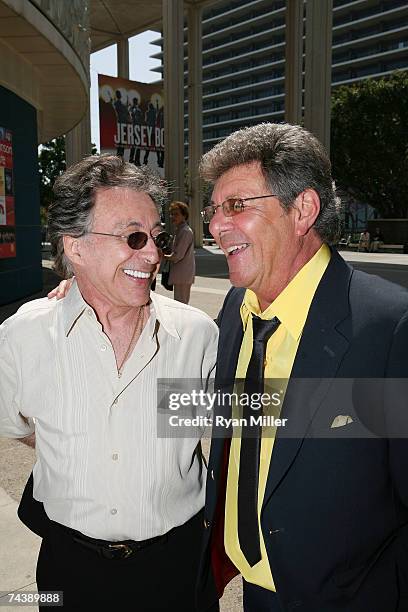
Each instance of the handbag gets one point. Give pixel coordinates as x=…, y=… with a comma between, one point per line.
x=165, y=273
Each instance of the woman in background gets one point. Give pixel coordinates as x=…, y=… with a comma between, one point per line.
x=182, y=262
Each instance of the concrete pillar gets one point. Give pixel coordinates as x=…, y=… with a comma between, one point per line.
x=319, y=17
x=78, y=140
x=173, y=60
x=293, y=61
x=122, y=57
x=195, y=127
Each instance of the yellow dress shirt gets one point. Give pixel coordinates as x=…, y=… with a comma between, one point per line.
x=291, y=307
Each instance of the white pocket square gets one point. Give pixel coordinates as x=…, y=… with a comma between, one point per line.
x=341, y=420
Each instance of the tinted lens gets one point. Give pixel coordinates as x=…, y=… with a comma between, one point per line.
x=207, y=214
x=137, y=240
x=163, y=241
x=232, y=206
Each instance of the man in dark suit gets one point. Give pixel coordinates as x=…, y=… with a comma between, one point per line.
x=313, y=514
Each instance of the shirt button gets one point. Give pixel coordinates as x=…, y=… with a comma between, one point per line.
x=89, y=312
x=114, y=511
x=115, y=456
x=103, y=347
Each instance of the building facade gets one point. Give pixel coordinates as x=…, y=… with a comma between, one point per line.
x=244, y=56
x=44, y=92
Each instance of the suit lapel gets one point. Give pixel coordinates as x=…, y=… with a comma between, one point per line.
x=229, y=345
x=318, y=358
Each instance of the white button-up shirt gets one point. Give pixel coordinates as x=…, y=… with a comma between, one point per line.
x=101, y=468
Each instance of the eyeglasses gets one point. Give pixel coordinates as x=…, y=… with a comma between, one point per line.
x=137, y=240
x=230, y=206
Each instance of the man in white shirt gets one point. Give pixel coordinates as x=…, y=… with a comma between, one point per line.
x=122, y=523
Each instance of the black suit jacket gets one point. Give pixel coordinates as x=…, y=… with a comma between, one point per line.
x=335, y=511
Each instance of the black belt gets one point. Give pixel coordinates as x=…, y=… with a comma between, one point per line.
x=112, y=550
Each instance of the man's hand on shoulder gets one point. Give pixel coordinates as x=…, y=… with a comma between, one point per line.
x=62, y=289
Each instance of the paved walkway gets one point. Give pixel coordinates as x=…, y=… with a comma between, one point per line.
x=394, y=259
x=18, y=553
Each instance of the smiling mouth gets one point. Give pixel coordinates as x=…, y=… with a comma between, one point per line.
x=236, y=248
x=137, y=273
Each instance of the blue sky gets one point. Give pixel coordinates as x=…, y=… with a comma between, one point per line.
x=140, y=65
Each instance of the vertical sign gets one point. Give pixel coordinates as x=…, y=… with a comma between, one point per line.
x=7, y=214
x=131, y=121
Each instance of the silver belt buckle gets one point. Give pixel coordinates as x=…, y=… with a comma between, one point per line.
x=124, y=548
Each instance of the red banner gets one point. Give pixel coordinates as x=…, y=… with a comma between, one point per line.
x=131, y=120
x=7, y=214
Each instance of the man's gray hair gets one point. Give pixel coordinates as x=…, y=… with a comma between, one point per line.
x=291, y=159
x=70, y=214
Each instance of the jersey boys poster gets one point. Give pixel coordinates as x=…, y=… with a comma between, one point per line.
x=7, y=215
x=131, y=121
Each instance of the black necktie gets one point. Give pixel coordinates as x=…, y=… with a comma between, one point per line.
x=248, y=530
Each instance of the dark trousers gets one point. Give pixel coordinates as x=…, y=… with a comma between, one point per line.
x=257, y=599
x=158, y=578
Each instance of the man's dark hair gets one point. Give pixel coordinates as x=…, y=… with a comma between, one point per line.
x=70, y=214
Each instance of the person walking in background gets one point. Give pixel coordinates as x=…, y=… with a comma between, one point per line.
x=182, y=262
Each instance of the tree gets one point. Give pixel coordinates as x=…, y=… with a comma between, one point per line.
x=51, y=163
x=369, y=143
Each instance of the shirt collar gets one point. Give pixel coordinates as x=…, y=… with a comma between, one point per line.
x=292, y=305
x=163, y=314
x=73, y=306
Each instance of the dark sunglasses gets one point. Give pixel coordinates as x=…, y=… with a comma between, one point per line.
x=137, y=240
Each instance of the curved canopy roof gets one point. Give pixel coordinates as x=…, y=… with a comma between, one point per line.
x=112, y=20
